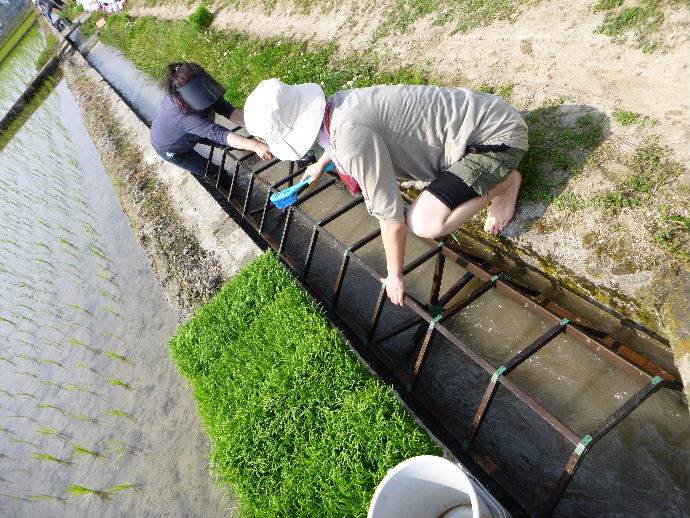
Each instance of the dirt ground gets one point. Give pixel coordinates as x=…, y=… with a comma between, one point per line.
x=633, y=257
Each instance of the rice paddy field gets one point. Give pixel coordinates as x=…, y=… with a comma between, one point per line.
x=94, y=420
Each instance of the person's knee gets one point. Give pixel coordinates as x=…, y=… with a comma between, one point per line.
x=423, y=227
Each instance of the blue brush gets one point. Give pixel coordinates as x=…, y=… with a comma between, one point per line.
x=283, y=199
x=287, y=197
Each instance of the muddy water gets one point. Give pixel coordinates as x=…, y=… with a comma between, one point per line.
x=88, y=395
x=642, y=468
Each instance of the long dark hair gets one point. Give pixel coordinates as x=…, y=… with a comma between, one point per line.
x=179, y=74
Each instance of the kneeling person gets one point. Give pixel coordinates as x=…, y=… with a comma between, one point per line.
x=185, y=118
x=466, y=144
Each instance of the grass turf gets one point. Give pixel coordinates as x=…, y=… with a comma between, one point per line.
x=297, y=426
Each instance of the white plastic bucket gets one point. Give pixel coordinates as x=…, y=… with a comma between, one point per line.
x=427, y=487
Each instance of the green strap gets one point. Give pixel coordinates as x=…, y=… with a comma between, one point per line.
x=656, y=380
x=497, y=374
x=435, y=320
x=584, y=442
x=347, y=250
x=564, y=322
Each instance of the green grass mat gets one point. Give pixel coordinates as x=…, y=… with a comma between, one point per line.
x=298, y=427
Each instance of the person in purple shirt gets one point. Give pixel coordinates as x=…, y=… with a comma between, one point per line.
x=185, y=118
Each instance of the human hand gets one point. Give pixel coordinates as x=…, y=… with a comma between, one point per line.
x=261, y=149
x=395, y=288
x=313, y=172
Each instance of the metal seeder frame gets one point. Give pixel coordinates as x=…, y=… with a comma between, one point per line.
x=430, y=315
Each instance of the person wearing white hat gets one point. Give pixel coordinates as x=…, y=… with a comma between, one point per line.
x=467, y=144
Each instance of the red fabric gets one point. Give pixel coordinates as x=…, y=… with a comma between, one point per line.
x=346, y=178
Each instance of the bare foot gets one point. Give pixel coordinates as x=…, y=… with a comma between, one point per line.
x=503, y=205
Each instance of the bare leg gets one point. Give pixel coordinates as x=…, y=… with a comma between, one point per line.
x=503, y=199
x=429, y=217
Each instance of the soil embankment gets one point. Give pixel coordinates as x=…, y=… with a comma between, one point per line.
x=604, y=211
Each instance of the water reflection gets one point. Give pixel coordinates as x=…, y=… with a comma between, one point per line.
x=89, y=402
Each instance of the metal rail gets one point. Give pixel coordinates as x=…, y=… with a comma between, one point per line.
x=429, y=316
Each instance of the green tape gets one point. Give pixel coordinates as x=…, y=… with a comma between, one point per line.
x=565, y=322
x=494, y=278
x=580, y=448
x=347, y=250
x=497, y=374
x=656, y=380
x=435, y=321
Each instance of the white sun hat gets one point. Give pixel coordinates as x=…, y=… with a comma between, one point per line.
x=287, y=117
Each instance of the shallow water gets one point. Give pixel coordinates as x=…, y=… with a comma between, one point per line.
x=642, y=468
x=84, y=328
x=17, y=69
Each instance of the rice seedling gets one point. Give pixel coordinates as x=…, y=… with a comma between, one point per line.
x=7, y=431
x=8, y=394
x=25, y=306
x=106, y=294
x=82, y=450
x=53, y=343
x=26, y=395
x=43, y=222
x=45, y=457
x=7, y=360
x=85, y=418
x=29, y=358
x=10, y=322
x=98, y=252
x=50, y=406
x=80, y=365
x=108, y=276
x=77, y=388
x=18, y=440
x=117, y=356
x=110, y=310
x=28, y=344
x=119, y=383
x=78, y=307
x=48, y=361
x=76, y=342
x=122, y=487
x=120, y=449
x=120, y=413
x=230, y=350
x=41, y=244
x=48, y=431
x=75, y=489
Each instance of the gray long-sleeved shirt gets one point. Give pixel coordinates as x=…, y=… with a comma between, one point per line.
x=174, y=131
x=389, y=132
